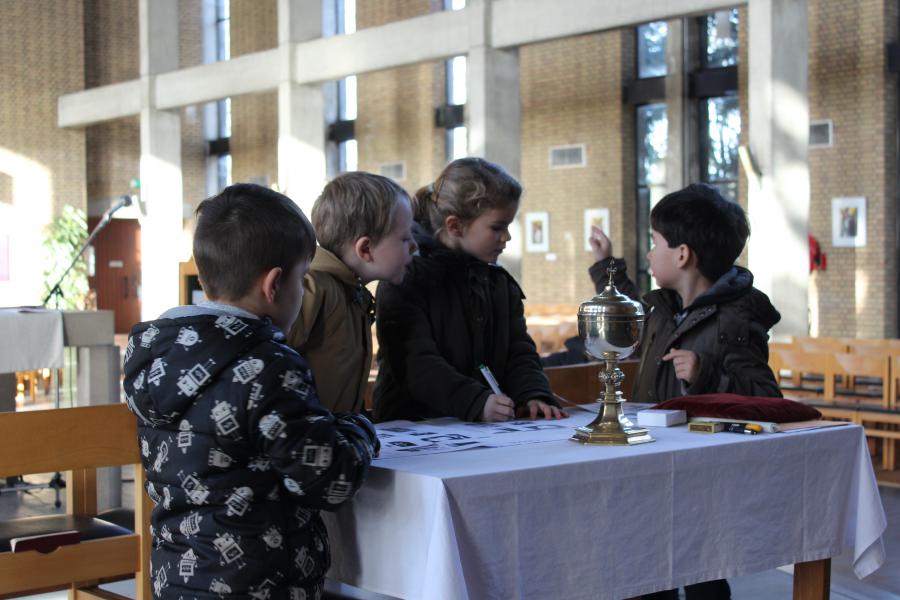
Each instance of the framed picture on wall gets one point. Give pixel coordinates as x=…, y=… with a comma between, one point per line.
x=595, y=217
x=848, y=222
x=537, y=232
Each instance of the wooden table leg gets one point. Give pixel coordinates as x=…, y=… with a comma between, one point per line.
x=812, y=580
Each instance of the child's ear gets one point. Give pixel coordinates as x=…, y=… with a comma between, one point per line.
x=685, y=254
x=363, y=248
x=454, y=226
x=271, y=281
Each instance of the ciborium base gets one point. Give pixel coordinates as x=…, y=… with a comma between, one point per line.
x=625, y=437
x=611, y=427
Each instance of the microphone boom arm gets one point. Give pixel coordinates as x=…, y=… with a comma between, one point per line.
x=56, y=290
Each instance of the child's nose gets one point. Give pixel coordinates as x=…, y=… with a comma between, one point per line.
x=413, y=248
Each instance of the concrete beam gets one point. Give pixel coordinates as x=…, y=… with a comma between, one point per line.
x=421, y=39
x=519, y=22
x=99, y=104
x=431, y=37
x=247, y=74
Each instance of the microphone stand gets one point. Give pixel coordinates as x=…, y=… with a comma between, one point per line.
x=56, y=290
x=57, y=482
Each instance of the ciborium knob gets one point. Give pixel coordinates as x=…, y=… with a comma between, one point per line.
x=610, y=325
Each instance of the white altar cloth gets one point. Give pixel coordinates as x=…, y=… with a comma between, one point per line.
x=30, y=339
x=562, y=520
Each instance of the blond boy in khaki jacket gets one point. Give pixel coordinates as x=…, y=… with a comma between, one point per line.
x=363, y=225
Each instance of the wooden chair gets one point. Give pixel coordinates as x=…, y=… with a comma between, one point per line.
x=77, y=440
x=820, y=344
x=580, y=384
x=866, y=375
x=802, y=364
x=885, y=346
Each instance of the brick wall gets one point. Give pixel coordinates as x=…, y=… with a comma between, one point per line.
x=111, y=48
x=849, y=84
x=43, y=167
x=254, y=117
x=111, y=56
x=571, y=94
x=396, y=106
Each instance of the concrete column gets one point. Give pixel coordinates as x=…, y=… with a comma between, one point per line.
x=301, y=108
x=493, y=111
x=779, y=129
x=676, y=103
x=160, y=167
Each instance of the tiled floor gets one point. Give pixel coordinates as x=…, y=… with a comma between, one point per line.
x=776, y=584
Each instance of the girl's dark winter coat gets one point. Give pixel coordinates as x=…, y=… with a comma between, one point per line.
x=452, y=313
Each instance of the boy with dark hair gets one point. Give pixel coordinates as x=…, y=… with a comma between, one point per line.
x=238, y=453
x=363, y=222
x=707, y=328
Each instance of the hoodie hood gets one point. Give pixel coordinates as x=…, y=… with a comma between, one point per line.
x=736, y=284
x=170, y=361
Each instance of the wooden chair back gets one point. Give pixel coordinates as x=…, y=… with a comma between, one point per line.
x=801, y=363
x=885, y=346
x=852, y=366
x=580, y=384
x=76, y=440
x=895, y=381
x=819, y=344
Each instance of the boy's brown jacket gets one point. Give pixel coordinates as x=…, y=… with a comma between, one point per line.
x=727, y=327
x=333, y=332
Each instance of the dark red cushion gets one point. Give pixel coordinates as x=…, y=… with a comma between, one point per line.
x=742, y=408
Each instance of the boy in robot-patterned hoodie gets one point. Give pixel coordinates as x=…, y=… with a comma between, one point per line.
x=239, y=455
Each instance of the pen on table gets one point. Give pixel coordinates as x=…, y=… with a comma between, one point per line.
x=489, y=377
x=748, y=428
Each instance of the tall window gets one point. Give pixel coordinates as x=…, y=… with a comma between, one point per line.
x=343, y=153
x=457, y=134
x=217, y=129
x=719, y=115
x=652, y=128
x=720, y=39
x=721, y=124
x=651, y=132
x=651, y=49
x=347, y=150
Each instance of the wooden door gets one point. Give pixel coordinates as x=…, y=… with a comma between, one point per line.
x=117, y=276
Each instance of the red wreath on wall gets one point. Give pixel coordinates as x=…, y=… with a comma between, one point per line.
x=818, y=260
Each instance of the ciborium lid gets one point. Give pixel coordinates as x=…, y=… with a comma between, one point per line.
x=611, y=303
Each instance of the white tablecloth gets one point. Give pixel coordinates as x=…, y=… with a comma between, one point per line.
x=30, y=339
x=562, y=520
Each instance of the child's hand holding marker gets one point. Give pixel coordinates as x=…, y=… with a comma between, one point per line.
x=500, y=407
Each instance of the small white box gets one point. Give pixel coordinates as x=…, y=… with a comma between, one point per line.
x=653, y=417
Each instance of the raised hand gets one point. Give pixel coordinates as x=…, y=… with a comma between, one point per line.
x=601, y=245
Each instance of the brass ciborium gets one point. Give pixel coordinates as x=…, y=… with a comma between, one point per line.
x=610, y=325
